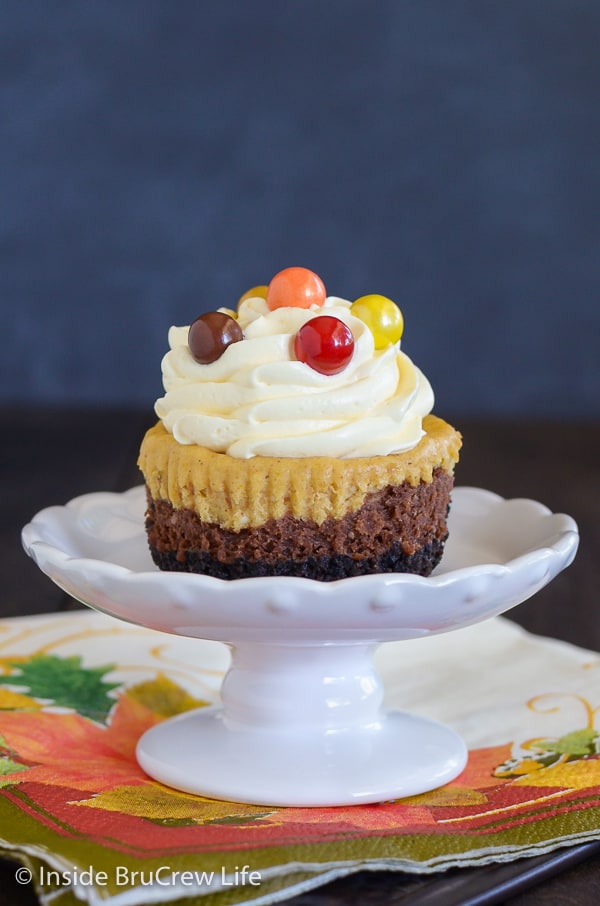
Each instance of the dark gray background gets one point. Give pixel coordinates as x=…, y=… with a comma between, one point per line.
x=158, y=158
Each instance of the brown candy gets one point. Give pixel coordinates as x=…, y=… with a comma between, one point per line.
x=211, y=334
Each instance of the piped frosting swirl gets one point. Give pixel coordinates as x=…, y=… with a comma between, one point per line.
x=257, y=399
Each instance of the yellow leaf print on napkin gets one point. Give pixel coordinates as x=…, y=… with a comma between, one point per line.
x=163, y=697
x=12, y=701
x=160, y=803
x=574, y=775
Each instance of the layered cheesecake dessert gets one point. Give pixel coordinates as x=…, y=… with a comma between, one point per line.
x=295, y=438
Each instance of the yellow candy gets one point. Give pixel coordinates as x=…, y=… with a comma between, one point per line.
x=230, y=312
x=382, y=317
x=260, y=291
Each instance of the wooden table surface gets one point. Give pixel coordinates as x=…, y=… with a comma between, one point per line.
x=51, y=455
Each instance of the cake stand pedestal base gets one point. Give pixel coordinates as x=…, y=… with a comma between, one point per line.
x=302, y=725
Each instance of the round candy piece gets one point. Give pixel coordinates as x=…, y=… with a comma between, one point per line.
x=211, y=334
x=295, y=287
x=256, y=291
x=325, y=343
x=382, y=317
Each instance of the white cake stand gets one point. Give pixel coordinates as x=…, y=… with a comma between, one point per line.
x=300, y=722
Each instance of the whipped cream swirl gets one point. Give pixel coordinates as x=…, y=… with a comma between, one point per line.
x=258, y=400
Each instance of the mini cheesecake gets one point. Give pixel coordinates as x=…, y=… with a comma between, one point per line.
x=318, y=517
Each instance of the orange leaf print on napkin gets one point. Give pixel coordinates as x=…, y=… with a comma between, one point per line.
x=68, y=750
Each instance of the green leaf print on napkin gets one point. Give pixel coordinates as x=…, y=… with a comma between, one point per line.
x=63, y=681
x=578, y=744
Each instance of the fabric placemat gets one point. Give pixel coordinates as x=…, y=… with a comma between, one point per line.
x=86, y=824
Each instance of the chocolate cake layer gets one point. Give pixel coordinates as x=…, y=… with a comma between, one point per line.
x=398, y=529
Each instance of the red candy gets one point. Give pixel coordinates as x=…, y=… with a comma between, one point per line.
x=295, y=287
x=211, y=334
x=325, y=343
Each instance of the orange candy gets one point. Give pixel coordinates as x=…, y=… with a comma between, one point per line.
x=295, y=287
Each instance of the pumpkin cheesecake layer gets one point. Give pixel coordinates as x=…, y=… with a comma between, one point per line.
x=318, y=517
x=246, y=493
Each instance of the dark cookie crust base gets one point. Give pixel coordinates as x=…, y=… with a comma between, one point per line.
x=326, y=569
x=398, y=529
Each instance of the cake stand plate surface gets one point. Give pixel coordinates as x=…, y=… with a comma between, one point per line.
x=300, y=721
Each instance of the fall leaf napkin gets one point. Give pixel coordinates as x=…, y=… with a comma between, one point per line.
x=84, y=823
